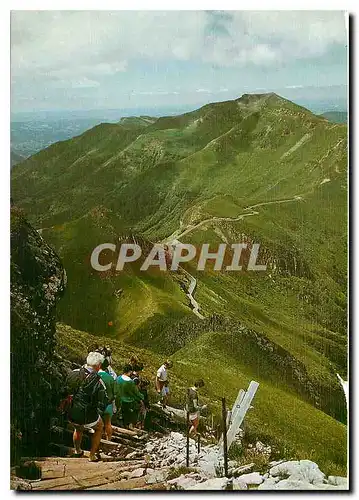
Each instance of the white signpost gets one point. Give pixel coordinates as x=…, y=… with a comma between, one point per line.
x=239, y=410
x=237, y=403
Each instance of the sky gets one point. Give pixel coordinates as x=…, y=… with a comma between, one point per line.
x=83, y=60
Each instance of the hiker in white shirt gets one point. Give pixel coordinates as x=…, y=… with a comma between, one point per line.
x=162, y=382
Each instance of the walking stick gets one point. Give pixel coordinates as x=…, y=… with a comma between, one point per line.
x=187, y=450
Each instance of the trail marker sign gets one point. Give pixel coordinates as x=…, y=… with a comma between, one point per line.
x=239, y=410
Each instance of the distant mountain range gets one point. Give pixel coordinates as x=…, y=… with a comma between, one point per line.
x=258, y=169
x=33, y=131
x=336, y=116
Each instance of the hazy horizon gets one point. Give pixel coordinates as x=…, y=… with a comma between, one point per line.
x=96, y=60
x=337, y=101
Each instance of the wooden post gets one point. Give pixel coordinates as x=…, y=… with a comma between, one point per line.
x=187, y=450
x=199, y=443
x=224, y=423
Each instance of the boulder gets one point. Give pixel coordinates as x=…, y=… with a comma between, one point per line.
x=338, y=481
x=177, y=437
x=158, y=476
x=184, y=482
x=216, y=483
x=303, y=470
x=269, y=484
x=326, y=486
x=294, y=484
x=237, y=485
x=137, y=473
x=243, y=469
x=254, y=478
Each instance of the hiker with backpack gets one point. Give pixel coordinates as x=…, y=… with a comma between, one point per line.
x=193, y=407
x=87, y=402
x=162, y=382
x=128, y=397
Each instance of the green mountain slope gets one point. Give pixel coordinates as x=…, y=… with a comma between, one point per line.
x=258, y=169
x=293, y=427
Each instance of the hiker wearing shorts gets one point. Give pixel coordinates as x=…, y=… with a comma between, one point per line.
x=110, y=390
x=88, y=402
x=162, y=382
x=128, y=397
x=193, y=406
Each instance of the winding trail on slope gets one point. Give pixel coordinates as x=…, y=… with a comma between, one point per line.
x=191, y=289
x=178, y=234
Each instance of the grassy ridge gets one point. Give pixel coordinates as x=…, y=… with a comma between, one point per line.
x=158, y=177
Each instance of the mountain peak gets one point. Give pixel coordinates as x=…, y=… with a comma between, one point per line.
x=254, y=98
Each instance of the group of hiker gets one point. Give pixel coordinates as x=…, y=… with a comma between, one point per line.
x=94, y=393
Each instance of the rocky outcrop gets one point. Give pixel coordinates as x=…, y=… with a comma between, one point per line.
x=37, y=282
x=207, y=465
x=300, y=475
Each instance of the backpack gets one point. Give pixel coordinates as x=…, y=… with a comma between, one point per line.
x=66, y=403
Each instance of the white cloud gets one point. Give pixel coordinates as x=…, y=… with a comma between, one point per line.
x=154, y=92
x=84, y=83
x=102, y=42
x=90, y=49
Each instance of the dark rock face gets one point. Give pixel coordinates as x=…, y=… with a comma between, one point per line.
x=37, y=282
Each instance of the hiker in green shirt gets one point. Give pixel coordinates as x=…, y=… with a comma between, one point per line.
x=127, y=396
x=109, y=382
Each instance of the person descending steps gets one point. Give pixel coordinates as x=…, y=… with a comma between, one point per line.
x=128, y=397
x=162, y=382
x=193, y=406
x=87, y=402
